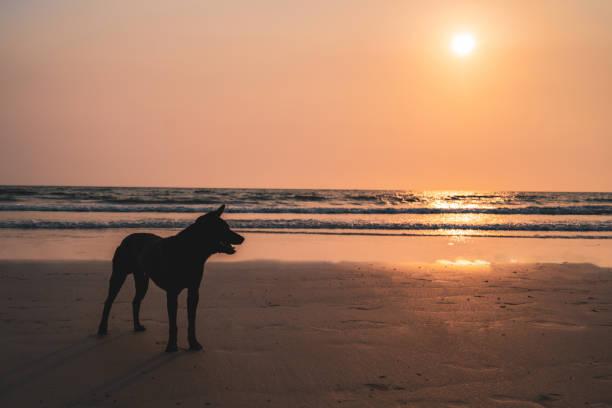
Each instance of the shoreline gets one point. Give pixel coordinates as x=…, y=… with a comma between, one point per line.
x=100, y=245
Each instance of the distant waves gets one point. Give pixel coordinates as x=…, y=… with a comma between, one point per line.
x=342, y=212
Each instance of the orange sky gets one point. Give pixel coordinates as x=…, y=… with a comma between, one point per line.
x=320, y=93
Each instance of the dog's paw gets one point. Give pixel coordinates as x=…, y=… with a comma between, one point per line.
x=171, y=348
x=195, y=346
x=139, y=328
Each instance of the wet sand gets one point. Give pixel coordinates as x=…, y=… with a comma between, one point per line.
x=297, y=334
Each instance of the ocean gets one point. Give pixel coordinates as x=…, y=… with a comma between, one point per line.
x=332, y=212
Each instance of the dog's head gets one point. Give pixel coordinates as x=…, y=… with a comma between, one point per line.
x=215, y=232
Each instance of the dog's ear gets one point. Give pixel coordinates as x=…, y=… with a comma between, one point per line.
x=219, y=211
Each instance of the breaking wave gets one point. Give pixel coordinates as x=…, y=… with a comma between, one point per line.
x=311, y=224
x=112, y=208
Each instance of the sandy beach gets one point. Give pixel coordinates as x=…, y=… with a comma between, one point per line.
x=403, y=204
x=309, y=334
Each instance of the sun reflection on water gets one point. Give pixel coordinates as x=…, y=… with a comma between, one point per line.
x=463, y=200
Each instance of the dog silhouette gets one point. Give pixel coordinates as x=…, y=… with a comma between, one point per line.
x=173, y=263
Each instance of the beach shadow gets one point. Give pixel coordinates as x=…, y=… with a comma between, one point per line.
x=14, y=378
x=98, y=393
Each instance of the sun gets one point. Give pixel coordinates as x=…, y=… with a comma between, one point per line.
x=463, y=44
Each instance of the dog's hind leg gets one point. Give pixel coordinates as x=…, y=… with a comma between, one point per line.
x=142, y=284
x=116, y=281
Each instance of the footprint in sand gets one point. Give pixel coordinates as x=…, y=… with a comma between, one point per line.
x=544, y=324
x=377, y=387
x=365, y=324
x=506, y=399
x=277, y=325
x=384, y=387
x=366, y=307
x=472, y=367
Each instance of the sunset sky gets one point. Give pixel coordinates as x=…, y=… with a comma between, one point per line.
x=312, y=94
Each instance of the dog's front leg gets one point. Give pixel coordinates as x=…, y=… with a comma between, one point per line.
x=192, y=306
x=171, y=300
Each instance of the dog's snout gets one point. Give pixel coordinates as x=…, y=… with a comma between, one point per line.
x=238, y=239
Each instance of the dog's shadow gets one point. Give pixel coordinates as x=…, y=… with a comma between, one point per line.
x=39, y=369
x=132, y=375
x=36, y=367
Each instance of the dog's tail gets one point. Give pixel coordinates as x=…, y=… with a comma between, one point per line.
x=121, y=260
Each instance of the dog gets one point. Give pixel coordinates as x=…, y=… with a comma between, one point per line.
x=173, y=263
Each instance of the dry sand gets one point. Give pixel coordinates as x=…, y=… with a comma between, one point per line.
x=315, y=335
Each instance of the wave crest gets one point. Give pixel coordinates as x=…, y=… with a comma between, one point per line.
x=311, y=224
x=132, y=208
